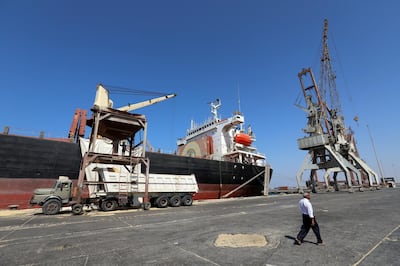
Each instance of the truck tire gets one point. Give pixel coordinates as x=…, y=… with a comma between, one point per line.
x=187, y=200
x=51, y=207
x=108, y=205
x=146, y=206
x=162, y=202
x=77, y=209
x=175, y=201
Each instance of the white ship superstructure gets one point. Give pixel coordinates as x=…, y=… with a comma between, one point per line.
x=221, y=139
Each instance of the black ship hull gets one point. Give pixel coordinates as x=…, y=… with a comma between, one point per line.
x=28, y=163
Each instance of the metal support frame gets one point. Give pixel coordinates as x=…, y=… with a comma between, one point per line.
x=115, y=125
x=267, y=178
x=372, y=175
x=336, y=163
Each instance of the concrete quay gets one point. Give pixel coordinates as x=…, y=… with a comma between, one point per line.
x=361, y=228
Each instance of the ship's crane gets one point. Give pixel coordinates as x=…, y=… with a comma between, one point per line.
x=77, y=129
x=330, y=147
x=103, y=100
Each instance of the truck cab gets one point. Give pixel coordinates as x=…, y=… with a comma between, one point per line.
x=52, y=199
x=389, y=181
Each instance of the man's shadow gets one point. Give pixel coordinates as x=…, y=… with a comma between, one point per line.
x=304, y=241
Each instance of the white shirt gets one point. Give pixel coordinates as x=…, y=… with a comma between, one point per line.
x=306, y=207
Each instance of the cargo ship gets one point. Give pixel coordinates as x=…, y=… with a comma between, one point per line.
x=219, y=152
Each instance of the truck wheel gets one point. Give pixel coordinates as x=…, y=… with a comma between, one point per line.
x=77, y=209
x=187, y=200
x=175, y=201
x=51, y=207
x=162, y=202
x=108, y=205
x=146, y=206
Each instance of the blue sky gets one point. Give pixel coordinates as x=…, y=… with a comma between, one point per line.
x=54, y=53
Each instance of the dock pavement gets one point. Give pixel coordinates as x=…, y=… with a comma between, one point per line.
x=360, y=228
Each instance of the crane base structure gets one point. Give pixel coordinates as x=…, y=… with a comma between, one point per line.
x=357, y=174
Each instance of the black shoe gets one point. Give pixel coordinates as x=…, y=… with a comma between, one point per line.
x=297, y=242
x=320, y=243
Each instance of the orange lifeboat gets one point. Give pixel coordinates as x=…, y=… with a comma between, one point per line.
x=242, y=138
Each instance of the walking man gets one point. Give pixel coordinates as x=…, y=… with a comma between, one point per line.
x=309, y=221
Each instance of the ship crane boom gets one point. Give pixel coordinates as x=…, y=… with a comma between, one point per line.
x=103, y=100
x=327, y=75
x=131, y=107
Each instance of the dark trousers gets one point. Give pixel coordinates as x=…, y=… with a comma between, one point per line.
x=306, y=227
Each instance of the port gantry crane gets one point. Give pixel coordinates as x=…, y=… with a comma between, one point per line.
x=331, y=147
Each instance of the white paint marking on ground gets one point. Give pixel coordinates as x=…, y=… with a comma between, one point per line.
x=374, y=247
x=86, y=260
x=265, y=204
x=200, y=257
x=9, y=233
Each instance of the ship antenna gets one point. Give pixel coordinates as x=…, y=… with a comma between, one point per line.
x=239, y=97
x=239, y=111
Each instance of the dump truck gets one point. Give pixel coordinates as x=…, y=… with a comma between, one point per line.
x=116, y=189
